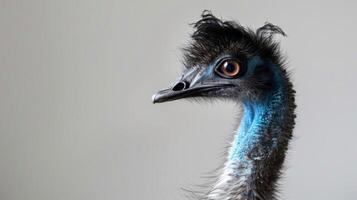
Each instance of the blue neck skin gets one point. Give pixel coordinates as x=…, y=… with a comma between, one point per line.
x=255, y=123
x=261, y=133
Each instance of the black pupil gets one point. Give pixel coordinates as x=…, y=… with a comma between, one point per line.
x=229, y=67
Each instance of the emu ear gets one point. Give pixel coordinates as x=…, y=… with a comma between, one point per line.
x=269, y=30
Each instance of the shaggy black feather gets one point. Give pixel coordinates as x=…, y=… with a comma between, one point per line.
x=213, y=37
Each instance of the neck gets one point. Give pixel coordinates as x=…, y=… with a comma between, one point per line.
x=258, y=150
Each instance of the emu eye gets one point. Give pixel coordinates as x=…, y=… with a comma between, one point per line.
x=228, y=69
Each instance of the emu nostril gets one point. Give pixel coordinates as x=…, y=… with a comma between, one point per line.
x=179, y=86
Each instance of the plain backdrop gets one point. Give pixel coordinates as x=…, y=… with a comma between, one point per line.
x=76, y=80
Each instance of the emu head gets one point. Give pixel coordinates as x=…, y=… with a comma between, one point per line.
x=227, y=60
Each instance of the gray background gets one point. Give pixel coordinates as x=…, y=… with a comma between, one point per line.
x=76, y=118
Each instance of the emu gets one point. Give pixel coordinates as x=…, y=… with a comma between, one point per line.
x=227, y=61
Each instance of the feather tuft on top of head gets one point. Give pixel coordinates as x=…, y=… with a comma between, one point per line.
x=213, y=36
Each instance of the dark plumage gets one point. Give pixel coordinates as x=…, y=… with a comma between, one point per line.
x=228, y=61
x=213, y=37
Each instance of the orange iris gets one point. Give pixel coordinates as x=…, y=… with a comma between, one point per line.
x=230, y=68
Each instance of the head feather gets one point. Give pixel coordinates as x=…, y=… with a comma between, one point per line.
x=213, y=37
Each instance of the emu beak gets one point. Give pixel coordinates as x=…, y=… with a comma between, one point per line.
x=192, y=84
x=173, y=93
